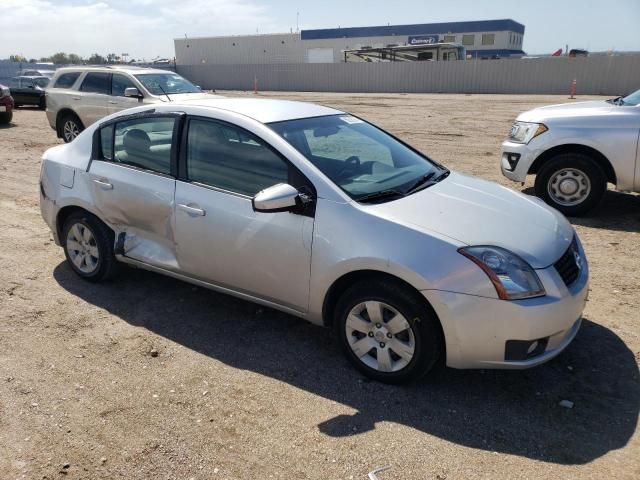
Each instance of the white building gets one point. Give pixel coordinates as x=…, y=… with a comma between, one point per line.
x=482, y=39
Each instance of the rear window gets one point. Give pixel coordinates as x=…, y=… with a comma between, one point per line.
x=66, y=80
x=97, y=83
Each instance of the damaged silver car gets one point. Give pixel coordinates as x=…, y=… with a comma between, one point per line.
x=320, y=214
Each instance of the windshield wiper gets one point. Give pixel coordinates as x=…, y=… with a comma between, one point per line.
x=617, y=101
x=381, y=195
x=426, y=181
x=162, y=90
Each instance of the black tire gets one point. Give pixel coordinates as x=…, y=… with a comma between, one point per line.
x=427, y=333
x=106, y=265
x=578, y=162
x=5, y=118
x=62, y=122
x=42, y=104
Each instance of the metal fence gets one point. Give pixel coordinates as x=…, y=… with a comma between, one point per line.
x=601, y=75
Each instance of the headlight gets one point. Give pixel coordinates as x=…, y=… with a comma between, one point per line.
x=524, y=132
x=4, y=92
x=513, y=278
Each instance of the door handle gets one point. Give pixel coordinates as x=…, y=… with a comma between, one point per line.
x=76, y=98
x=112, y=102
x=192, y=210
x=104, y=184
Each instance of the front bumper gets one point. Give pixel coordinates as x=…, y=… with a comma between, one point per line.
x=517, y=170
x=477, y=329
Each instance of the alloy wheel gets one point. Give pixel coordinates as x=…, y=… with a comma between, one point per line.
x=380, y=336
x=82, y=248
x=70, y=130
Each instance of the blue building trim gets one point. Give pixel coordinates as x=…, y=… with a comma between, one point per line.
x=417, y=29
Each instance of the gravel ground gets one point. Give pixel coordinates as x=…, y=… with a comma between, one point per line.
x=149, y=377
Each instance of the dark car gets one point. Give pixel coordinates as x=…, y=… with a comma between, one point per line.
x=28, y=90
x=6, y=105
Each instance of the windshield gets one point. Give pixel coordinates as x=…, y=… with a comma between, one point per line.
x=360, y=158
x=166, y=83
x=41, y=82
x=633, y=99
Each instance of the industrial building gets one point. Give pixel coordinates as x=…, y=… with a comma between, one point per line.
x=481, y=39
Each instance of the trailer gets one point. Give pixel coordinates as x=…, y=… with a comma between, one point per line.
x=407, y=53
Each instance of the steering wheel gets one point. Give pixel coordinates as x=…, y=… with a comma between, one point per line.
x=351, y=166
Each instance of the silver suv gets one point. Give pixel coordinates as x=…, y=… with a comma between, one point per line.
x=79, y=96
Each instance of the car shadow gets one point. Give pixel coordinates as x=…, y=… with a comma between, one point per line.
x=514, y=412
x=617, y=211
x=4, y=126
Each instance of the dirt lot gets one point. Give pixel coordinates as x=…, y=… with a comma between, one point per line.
x=148, y=377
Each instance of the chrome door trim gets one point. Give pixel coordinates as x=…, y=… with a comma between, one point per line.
x=211, y=286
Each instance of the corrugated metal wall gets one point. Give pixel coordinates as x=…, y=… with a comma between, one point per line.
x=598, y=75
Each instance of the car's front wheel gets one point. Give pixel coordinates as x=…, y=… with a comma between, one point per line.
x=88, y=246
x=387, y=331
x=571, y=183
x=70, y=127
x=5, y=118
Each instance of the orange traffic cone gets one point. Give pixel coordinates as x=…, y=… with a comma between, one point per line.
x=574, y=85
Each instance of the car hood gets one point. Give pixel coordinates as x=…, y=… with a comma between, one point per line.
x=189, y=97
x=477, y=212
x=579, y=109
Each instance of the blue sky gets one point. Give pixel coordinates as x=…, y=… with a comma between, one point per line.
x=146, y=28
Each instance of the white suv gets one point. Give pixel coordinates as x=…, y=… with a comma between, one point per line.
x=79, y=96
x=575, y=150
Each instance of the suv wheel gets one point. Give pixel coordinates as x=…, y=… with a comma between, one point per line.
x=387, y=332
x=571, y=183
x=88, y=246
x=70, y=127
x=5, y=118
x=42, y=104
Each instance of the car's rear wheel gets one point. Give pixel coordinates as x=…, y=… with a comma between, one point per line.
x=42, y=104
x=571, y=183
x=70, y=127
x=5, y=118
x=88, y=246
x=387, y=331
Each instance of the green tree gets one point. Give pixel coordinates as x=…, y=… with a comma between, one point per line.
x=17, y=58
x=112, y=58
x=33, y=60
x=60, y=58
x=75, y=59
x=97, y=59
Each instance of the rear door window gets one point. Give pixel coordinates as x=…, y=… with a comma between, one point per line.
x=96, y=82
x=144, y=143
x=66, y=80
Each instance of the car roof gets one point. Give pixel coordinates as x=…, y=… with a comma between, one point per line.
x=32, y=76
x=262, y=109
x=112, y=68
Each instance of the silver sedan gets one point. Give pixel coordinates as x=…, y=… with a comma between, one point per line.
x=320, y=214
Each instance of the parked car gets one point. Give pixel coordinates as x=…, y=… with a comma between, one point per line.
x=80, y=96
x=29, y=91
x=575, y=149
x=318, y=213
x=38, y=73
x=6, y=105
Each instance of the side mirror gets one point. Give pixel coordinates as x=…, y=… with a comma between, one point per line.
x=278, y=198
x=132, y=92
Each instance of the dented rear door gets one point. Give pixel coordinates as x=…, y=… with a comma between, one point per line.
x=133, y=185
